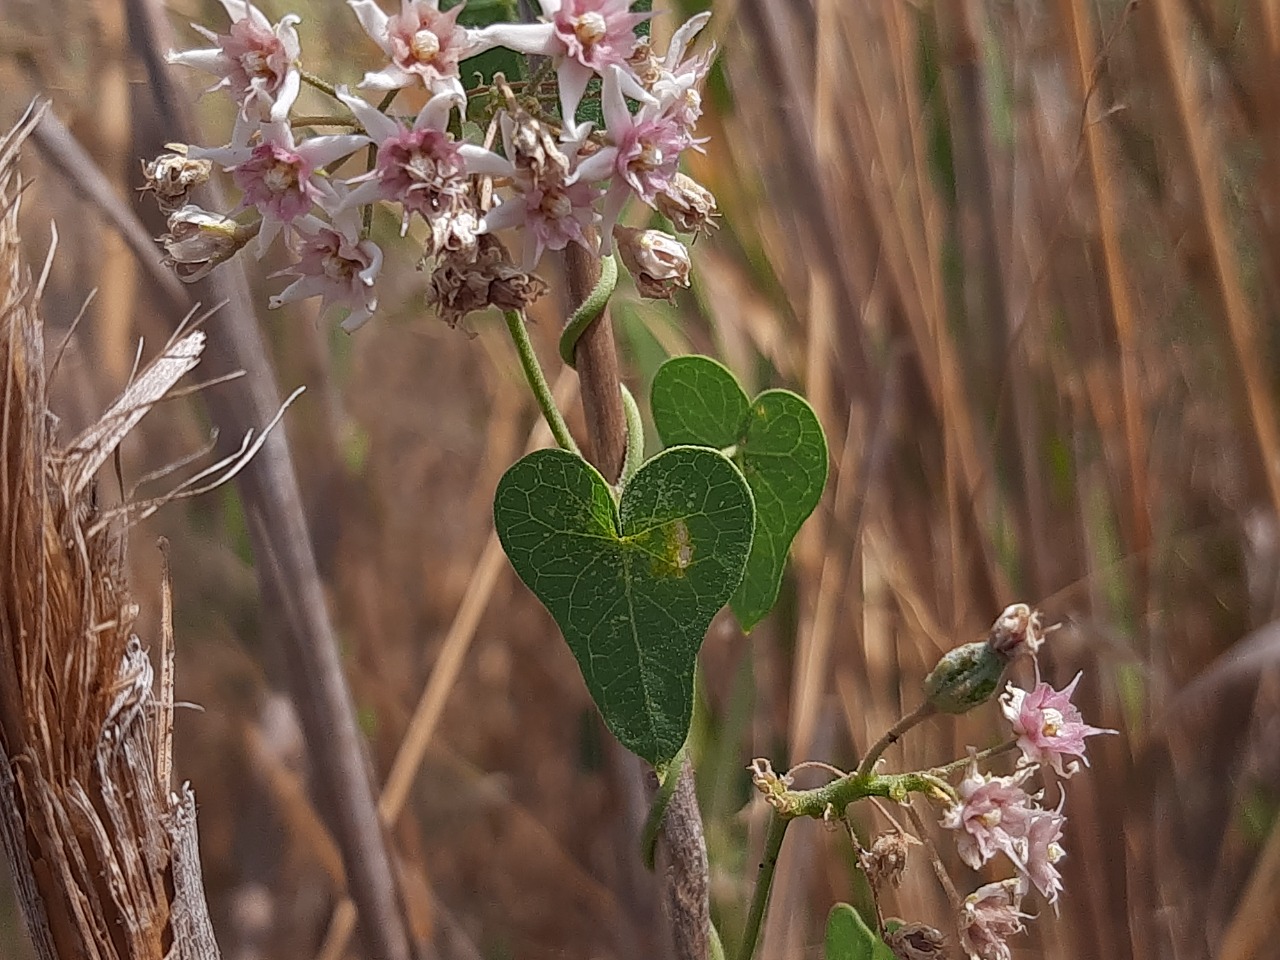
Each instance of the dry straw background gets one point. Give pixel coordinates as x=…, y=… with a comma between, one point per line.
x=1024, y=257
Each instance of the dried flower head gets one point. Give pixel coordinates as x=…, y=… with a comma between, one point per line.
x=916, y=941
x=657, y=262
x=459, y=286
x=689, y=205
x=773, y=785
x=1019, y=629
x=532, y=148
x=988, y=917
x=886, y=861
x=172, y=176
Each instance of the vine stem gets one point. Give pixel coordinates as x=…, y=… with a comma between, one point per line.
x=681, y=851
x=538, y=381
x=764, y=883
x=892, y=736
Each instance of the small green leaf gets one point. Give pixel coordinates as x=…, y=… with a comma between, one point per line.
x=777, y=442
x=634, y=586
x=849, y=939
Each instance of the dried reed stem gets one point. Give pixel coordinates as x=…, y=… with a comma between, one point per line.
x=103, y=852
x=1172, y=31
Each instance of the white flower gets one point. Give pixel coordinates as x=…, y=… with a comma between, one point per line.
x=586, y=37
x=256, y=63
x=280, y=177
x=336, y=264
x=421, y=42
x=421, y=167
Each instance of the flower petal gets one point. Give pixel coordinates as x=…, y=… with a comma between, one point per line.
x=376, y=123
x=538, y=39
x=373, y=20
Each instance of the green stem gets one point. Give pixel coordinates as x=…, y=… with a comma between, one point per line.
x=323, y=85
x=538, y=382
x=892, y=735
x=589, y=309
x=715, y=946
x=320, y=120
x=635, y=437
x=764, y=884
x=832, y=799
x=658, y=810
x=948, y=769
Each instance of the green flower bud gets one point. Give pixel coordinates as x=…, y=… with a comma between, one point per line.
x=965, y=677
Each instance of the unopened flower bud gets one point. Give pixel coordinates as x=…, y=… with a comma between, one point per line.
x=198, y=241
x=965, y=677
x=774, y=786
x=916, y=941
x=689, y=205
x=171, y=176
x=658, y=263
x=1016, y=631
x=968, y=676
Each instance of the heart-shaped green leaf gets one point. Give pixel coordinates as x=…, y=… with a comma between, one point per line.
x=633, y=586
x=777, y=442
x=848, y=938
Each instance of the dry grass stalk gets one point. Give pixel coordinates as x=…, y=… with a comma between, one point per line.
x=103, y=852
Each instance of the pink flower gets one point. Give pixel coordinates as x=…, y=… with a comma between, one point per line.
x=552, y=216
x=282, y=178
x=552, y=212
x=1048, y=725
x=988, y=917
x=422, y=43
x=257, y=64
x=679, y=77
x=1039, y=852
x=992, y=815
x=594, y=33
x=423, y=168
x=334, y=263
x=642, y=152
x=586, y=38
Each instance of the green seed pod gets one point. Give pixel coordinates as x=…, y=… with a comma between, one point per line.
x=965, y=677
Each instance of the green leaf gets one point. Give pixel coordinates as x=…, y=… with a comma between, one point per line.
x=633, y=586
x=777, y=442
x=848, y=938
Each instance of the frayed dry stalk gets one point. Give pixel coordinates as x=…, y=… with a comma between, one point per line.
x=103, y=852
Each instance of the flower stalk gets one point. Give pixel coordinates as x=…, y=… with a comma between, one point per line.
x=538, y=382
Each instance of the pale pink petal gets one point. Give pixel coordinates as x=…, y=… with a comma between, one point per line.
x=373, y=20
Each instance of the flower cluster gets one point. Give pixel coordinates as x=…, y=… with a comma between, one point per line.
x=547, y=173
x=996, y=815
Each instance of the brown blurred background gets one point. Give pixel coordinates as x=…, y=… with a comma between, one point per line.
x=1024, y=258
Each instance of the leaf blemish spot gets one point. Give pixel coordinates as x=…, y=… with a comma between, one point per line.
x=679, y=547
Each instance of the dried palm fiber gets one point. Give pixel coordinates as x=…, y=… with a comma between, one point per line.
x=103, y=854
